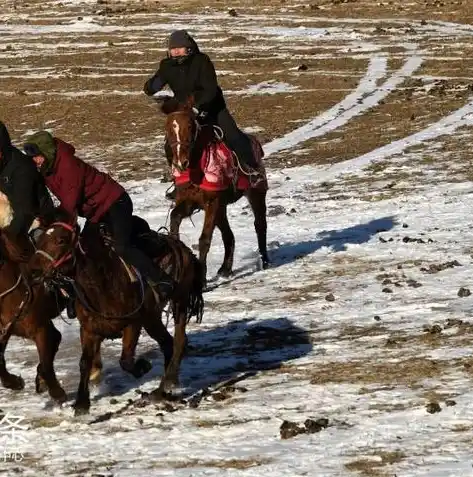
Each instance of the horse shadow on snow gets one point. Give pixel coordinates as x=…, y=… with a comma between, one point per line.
x=336, y=240
x=234, y=351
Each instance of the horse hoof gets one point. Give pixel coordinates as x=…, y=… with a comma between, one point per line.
x=95, y=375
x=157, y=395
x=224, y=272
x=81, y=409
x=13, y=382
x=59, y=395
x=266, y=264
x=40, y=385
x=142, y=366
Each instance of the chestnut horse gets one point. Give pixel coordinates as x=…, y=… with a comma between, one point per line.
x=111, y=302
x=188, y=141
x=27, y=310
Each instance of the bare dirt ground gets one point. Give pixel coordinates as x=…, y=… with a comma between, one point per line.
x=87, y=85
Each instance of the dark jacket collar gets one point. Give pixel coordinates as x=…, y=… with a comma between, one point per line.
x=5, y=146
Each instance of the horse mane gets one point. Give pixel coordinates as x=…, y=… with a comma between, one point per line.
x=58, y=215
x=100, y=265
x=172, y=105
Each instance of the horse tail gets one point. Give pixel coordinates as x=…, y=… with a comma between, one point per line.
x=196, y=296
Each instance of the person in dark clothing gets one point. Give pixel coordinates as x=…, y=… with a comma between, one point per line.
x=188, y=71
x=23, y=188
x=83, y=189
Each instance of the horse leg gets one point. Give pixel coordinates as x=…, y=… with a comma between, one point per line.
x=228, y=242
x=156, y=329
x=257, y=200
x=211, y=211
x=97, y=365
x=10, y=381
x=177, y=215
x=171, y=374
x=137, y=368
x=48, y=339
x=90, y=345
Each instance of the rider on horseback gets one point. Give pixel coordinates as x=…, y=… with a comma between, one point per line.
x=24, y=193
x=92, y=194
x=189, y=72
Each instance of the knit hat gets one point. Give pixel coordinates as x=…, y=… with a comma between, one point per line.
x=180, y=39
x=42, y=143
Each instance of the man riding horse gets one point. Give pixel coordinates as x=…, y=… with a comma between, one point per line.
x=24, y=193
x=189, y=72
x=84, y=190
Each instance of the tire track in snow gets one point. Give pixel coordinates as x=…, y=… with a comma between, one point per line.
x=365, y=96
x=445, y=126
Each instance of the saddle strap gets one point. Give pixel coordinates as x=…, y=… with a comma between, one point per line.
x=131, y=271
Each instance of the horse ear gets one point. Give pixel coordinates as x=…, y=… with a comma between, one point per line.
x=170, y=105
x=190, y=102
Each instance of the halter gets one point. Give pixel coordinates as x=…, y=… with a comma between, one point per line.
x=57, y=262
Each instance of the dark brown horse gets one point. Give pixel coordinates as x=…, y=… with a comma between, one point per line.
x=112, y=302
x=27, y=311
x=188, y=140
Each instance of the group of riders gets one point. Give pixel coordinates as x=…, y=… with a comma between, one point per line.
x=48, y=162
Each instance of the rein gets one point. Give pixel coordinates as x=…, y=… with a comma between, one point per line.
x=191, y=141
x=81, y=296
x=6, y=332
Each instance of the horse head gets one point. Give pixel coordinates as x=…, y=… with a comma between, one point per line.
x=181, y=130
x=55, y=247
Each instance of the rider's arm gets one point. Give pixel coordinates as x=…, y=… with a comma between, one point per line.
x=46, y=204
x=73, y=175
x=22, y=200
x=208, y=83
x=156, y=82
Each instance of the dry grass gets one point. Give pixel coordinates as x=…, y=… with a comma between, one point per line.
x=373, y=467
x=239, y=464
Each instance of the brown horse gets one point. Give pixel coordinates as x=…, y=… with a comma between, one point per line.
x=112, y=303
x=27, y=311
x=188, y=140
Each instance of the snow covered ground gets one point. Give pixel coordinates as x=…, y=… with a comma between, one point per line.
x=358, y=336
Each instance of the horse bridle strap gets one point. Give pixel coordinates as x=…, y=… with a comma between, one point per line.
x=196, y=133
x=59, y=261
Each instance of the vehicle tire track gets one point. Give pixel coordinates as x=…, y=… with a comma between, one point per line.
x=364, y=97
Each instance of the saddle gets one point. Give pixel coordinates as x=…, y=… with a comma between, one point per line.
x=152, y=243
x=218, y=167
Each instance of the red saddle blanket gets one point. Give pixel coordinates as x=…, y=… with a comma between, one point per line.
x=219, y=168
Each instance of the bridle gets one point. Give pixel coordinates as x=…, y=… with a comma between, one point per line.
x=190, y=143
x=57, y=262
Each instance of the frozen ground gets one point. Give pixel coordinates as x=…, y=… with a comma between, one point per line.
x=359, y=322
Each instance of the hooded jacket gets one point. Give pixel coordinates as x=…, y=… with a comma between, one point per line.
x=23, y=187
x=194, y=75
x=80, y=187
